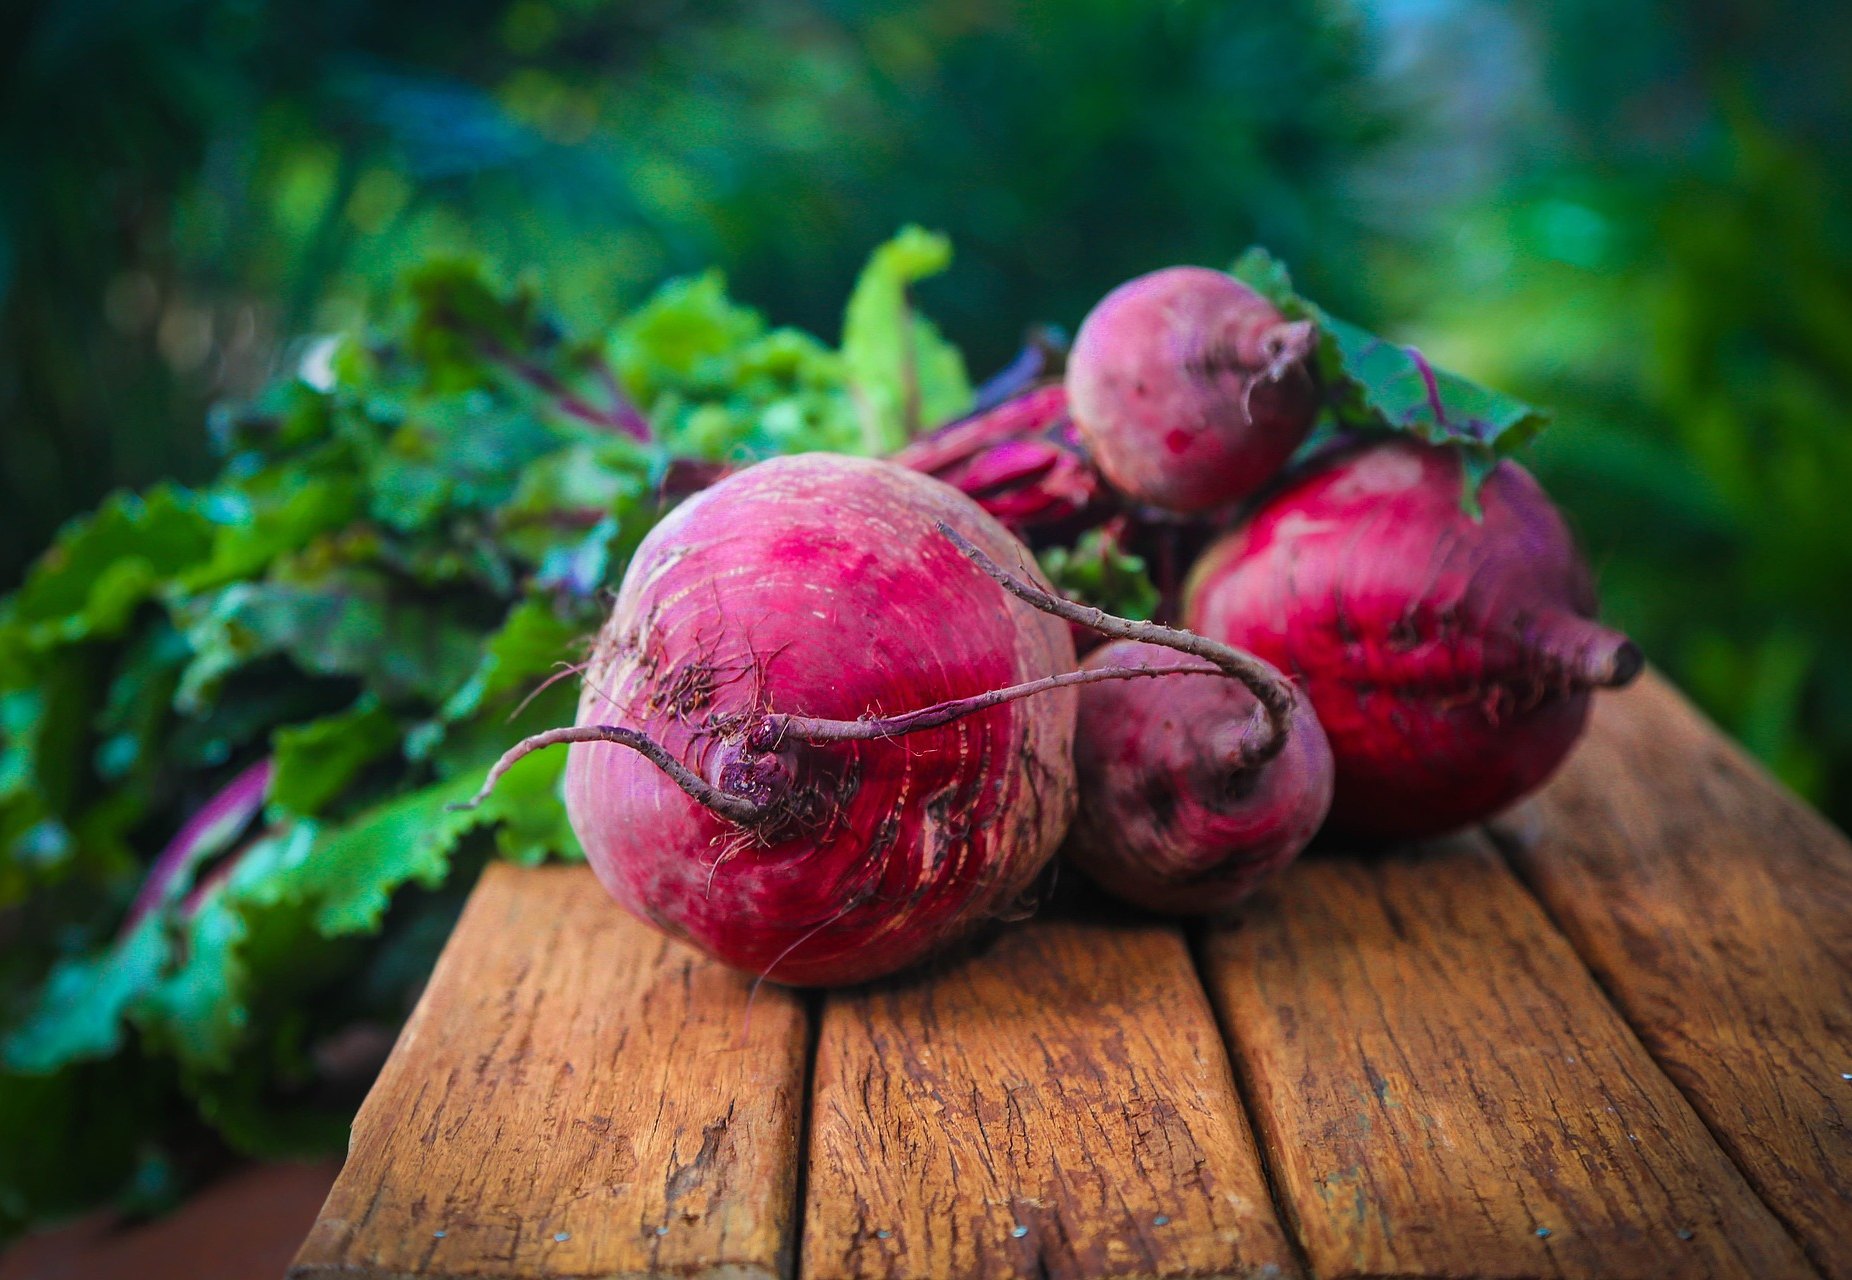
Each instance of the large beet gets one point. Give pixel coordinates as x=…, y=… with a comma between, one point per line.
x=1449, y=659
x=819, y=586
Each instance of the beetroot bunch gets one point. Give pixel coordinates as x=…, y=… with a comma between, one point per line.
x=836, y=719
x=1417, y=588
x=829, y=725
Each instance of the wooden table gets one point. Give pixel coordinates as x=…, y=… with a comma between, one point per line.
x=1610, y=1037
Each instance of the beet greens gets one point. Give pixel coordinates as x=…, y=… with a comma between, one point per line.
x=310, y=657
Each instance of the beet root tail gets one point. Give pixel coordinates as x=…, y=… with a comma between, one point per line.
x=1268, y=686
x=776, y=727
x=732, y=807
x=1588, y=654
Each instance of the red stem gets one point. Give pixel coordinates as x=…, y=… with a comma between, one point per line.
x=1433, y=385
x=211, y=827
x=624, y=417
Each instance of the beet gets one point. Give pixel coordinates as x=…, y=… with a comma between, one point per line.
x=820, y=585
x=1449, y=659
x=831, y=762
x=1190, y=389
x=1177, y=813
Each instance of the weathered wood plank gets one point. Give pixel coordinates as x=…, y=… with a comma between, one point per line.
x=1058, y=1106
x=1717, y=911
x=1442, y=1090
x=574, y=1096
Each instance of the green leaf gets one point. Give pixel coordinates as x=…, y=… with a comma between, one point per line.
x=1375, y=385
x=455, y=456
x=1401, y=390
x=259, y=522
x=719, y=385
x=905, y=376
x=572, y=490
x=199, y=1009
x=1097, y=571
x=347, y=624
x=532, y=643
x=685, y=334
x=348, y=873
x=459, y=316
x=270, y=919
x=316, y=761
x=90, y=582
x=138, y=706
x=1267, y=276
x=81, y=1008
x=44, y=741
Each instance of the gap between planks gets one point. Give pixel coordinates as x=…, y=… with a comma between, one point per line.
x=1715, y=910
x=574, y=1096
x=1443, y=1091
x=1059, y=1104
x=1601, y=830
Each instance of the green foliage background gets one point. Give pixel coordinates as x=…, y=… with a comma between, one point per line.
x=1637, y=215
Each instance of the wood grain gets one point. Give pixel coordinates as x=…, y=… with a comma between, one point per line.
x=1058, y=1106
x=1717, y=911
x=1442, y=1091
x=574, y=1096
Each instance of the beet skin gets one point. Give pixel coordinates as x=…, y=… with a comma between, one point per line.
x=1175, y=813
x=1449, y=660
x=1190, y=389
x=820, y=586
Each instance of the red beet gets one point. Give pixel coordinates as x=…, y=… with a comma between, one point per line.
x=1190, y=389
x=1176, y=812
x=1449, y=660
x=819, y=586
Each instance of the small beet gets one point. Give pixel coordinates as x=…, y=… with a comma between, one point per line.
x=1177, y=813
x=1449, y=658
x=1190, y=389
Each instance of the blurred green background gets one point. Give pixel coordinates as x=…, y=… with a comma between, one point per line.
x=1636, y=214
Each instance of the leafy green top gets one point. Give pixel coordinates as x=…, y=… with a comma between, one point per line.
x=1374, y=385
x=409, y=536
